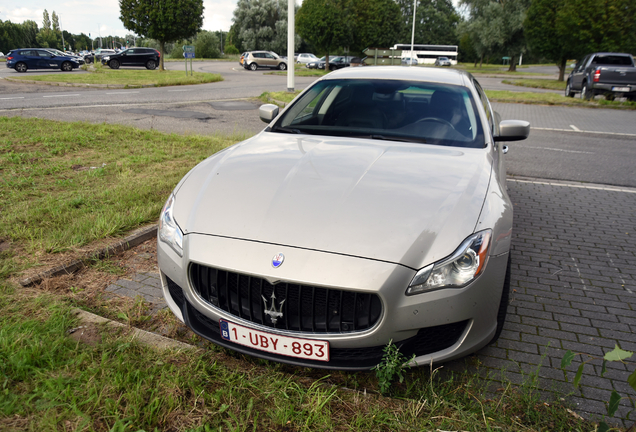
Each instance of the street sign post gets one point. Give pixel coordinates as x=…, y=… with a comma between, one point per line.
x=188, y=53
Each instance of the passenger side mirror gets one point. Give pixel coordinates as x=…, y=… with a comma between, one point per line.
x=267, y=112
x=513, y=130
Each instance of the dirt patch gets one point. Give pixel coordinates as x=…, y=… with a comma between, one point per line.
x=88, y=334
x=4, y=246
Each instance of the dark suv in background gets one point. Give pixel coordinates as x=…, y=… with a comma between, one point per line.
x=148, y=57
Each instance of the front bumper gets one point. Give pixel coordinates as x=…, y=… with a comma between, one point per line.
x=435, y=326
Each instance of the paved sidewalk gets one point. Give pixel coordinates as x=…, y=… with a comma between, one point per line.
x=573, y=288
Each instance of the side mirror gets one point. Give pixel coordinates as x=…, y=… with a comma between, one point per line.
x=513, y=130
x=268, y=112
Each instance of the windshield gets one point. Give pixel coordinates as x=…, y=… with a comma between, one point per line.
x=411, y=111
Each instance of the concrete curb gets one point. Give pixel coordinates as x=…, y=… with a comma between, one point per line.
x=143, y=336
x=62, y=84
x=137, y=237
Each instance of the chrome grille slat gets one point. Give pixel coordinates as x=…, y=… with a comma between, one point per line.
x=316, y=309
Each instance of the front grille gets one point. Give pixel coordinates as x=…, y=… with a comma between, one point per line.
x=303, y=308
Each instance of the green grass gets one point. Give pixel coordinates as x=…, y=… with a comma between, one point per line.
x=554, y=99
x=302, y=71
x=493, y=69
x=537, y=83
x=52, y=383
x=69, y=184
x=127, y=77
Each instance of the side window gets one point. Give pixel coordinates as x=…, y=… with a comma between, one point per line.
x=42, y=53
x=486, y=104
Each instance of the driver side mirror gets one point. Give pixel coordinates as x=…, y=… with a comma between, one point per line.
x=513, y=130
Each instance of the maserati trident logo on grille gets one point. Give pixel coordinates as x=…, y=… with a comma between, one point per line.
x=278, y=259
x=271, y=311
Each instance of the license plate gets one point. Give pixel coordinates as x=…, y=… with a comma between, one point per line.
x=309, y=349
x=620, y=89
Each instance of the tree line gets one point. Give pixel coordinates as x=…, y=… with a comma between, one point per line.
x=540, y=30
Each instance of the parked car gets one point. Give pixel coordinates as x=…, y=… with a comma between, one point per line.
x=255, y=59
x=409, y=61
x=372, y=210
x=98, y=55
x=241, y=60
x=336, y=62
x=314, y=64
x=306, y=58
x=442, y=61
x=79, y=59
x=148, y=57
x=609, y=74
x=24, y=59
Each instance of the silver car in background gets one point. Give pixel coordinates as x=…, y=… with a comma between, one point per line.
x=372, y=209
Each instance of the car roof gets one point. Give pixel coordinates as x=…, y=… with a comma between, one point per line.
x=430, y=74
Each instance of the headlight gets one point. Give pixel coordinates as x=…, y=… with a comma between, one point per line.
x=464, y=265
x=169, y=231
x=107, y=58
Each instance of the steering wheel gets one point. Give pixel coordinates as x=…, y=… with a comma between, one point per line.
x=436, y=119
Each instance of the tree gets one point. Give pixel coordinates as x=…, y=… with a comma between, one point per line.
x=46, y=21
x=163, y=20
x=435, y=22
x=376, y=23
x=55, y=22
x=327, y=24
x=207, y=45
x=498, y=24
x=565, y=29
x=603, y=25
x=543, y=36
x=260, y=25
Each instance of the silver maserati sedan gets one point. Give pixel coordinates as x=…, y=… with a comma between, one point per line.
x=372, y=209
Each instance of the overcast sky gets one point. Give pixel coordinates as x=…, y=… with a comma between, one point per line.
x=95, y=16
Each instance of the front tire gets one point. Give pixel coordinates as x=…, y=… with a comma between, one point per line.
x=253, y=66
x=114, y=64
x=503, y=303
x=585, y=93
x=282, y=66
x=21, y=67
x=151, y=65
x=568, y=90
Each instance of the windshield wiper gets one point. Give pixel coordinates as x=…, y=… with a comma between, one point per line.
x=285, y=129
x=394, y=138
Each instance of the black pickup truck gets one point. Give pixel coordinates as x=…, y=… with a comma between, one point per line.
x=609, y=74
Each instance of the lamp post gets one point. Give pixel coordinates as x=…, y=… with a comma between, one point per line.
x=291, y=5
x=413, y=31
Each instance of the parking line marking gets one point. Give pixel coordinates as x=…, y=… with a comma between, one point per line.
x=575, y=128
x=621, y=278
x=62, y=95
x=561, y=150
x=578, y=186
x=20, y=97
x=584, y=131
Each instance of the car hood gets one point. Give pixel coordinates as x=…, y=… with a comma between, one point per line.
x=410, y=204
